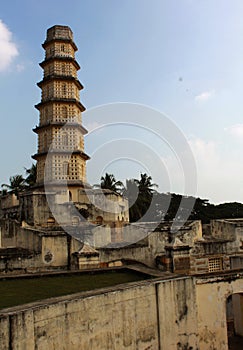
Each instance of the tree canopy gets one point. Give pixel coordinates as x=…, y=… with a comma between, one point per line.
x=165, y=206
x=109, y=182
x=18, y=183
x=142, y=196
x=31, y=175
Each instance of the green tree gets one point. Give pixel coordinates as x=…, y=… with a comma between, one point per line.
x=131, y=192
x=145, y=185
x=17, y=184
x=109, y=182
x=31, y=175
x=139, y=194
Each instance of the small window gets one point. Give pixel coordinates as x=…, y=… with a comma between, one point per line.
x=65, y=139
x=75, y=220
x=63, y=48
x=236, y=262
x=99, y=220
x=214, y=264
x=50, y=221
x=66, y=170
x=64, y=111
x=64, y=89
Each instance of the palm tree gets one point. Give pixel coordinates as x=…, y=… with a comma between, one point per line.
x=131, y=192
x=145, y=185
x=109, y=182
x=17, y=184
x=139, y=194
x=32, y=174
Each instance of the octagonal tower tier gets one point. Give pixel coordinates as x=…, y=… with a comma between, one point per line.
x=60, y=156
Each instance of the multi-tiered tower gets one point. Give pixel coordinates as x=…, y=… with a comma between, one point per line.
x=60, y=156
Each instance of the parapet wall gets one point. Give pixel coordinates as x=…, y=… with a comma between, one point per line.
x=212, y=294
x=177, y=313
x=145, y=315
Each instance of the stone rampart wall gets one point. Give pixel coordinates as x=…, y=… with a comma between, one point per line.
x=143, y=315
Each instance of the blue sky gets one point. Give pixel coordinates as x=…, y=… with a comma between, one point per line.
x=182, y=58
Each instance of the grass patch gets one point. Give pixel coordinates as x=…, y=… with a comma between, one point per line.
x=19, y=291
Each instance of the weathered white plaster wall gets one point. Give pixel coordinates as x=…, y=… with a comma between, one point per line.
x=180, y=313
x=142, y=316
x=212, y=294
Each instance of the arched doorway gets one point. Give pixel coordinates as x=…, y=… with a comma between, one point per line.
x=234, y=316
x=99, y=220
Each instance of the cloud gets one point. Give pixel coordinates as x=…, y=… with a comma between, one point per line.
x=8, y=49
x=20, y=67
x=219, y=173
x=204, y=96
x=236, y=130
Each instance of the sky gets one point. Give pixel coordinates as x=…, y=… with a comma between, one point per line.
x=182, y=60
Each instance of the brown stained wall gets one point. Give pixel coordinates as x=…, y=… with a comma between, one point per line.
x=140, y=254
x=57, y=245
x=144, y=252
x=202, y=251
x=16, y=265
x=9, y=201
x=146, y=315
x=179, y=313
x=212, y=293
x=153, y=244
x=4, y=332
x=58, y=249
x=41, y=209
x=223, y=229
x=13, y=235
x=55, y=248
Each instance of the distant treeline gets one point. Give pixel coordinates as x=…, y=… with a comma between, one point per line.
x=150, y=205
x=145, y=202
x=202, y=209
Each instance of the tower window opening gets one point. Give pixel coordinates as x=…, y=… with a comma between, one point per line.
x=64, y=140
x=64, y=112
x=66, y=170
x=64, y=89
